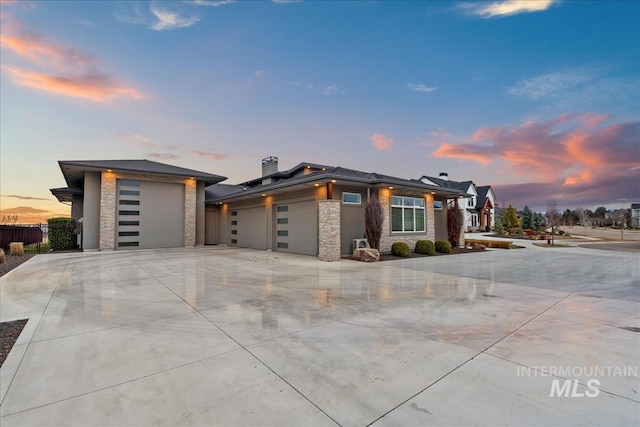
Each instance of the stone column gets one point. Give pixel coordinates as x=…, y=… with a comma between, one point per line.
x=329, y=230
x=190, y=213
x=107, y=211
x=431, y=218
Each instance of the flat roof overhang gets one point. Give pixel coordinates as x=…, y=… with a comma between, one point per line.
x=65, y=194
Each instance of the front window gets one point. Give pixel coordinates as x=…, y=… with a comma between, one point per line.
x=407, y=214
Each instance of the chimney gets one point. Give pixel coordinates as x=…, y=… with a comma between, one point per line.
x=443, y=175
x=269, y=166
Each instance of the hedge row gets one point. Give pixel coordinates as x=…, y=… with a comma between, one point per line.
x=501, y=244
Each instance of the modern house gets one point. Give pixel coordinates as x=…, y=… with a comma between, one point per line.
x=135, y=203
x=309, y=209
x=478, y=210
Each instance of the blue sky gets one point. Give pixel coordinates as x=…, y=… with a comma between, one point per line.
x=539, y=99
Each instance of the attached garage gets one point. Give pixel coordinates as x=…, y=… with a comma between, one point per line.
x=248, y=228
x=296, y=226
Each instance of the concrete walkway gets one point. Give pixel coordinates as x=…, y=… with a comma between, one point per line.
x=226, y=336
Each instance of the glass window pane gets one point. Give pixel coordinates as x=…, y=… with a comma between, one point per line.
x=419, y=219
x=420, y=202
x=127, y=183
x=396, y=201
x=408, y=219
x=408, y=201
x=396, y=219
x=351, y=198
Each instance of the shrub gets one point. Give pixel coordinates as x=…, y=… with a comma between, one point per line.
x=443, y=246
x=425, y=247
x=373, y=220
x=502, y=244
x=401, y=249
x=2, y=257
x=61, y=233
x=16, y=249
x=530, y=232
x=455, y=221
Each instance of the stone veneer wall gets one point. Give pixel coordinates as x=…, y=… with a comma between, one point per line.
x=108, y=210
x=108, y=205
x=387, y=239
x=329, y=230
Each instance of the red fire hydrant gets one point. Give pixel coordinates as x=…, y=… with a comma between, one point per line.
x=548, y=240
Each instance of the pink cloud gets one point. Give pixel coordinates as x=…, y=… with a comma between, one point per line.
x=163, y=156
x=96, y=87
x=574, y=158
x=56, y=68
x=382, y=142
x=554, y=149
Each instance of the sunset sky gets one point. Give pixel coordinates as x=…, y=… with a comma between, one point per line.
x=540, y=99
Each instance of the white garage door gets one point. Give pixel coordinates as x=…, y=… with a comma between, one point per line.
x=297, y=228
x=249, y=228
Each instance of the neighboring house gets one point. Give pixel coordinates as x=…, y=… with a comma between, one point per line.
x=135, y=203
x=635, y=215
x=478, y=210
x=319, y=210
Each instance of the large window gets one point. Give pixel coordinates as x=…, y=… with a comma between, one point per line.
x=351, y=198
x=407, y=214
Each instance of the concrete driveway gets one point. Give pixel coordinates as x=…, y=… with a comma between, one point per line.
x=226, y=336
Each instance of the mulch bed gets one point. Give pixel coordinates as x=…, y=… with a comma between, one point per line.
x=10, y=331
x=389, y=257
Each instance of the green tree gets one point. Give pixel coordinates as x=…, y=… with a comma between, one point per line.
x=527, y=218
x=537, y=221
x=510, y=221
x=599, y=214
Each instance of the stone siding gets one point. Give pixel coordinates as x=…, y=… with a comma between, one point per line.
x=107, y=211
x=329, y=230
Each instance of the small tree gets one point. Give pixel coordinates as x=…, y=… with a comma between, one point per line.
x=454, y=224
x=373, y=219
x=510, y=221
x=527, y=218
x=537, y=221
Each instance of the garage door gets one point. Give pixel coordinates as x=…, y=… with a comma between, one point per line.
x=297, y=228
x=249, y=228
x=149, y=215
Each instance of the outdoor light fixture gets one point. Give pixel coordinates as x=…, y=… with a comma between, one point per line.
x=316, y=185
x=264, y=195
x=390, y=188
x=334, y=181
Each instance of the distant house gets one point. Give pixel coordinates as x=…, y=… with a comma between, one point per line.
x=309, y=209
x=478, y=210
x=635, y=215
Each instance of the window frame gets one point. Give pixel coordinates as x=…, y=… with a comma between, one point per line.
x=409, y=204
x=358, y=203
x=436, y=203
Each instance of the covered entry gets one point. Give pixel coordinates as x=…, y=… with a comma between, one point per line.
x=296, y=226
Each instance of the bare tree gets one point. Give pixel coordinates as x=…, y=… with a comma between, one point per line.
x=373, y=219
x=553, y=218
x=583, y=217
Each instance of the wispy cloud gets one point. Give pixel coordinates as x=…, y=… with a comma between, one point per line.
x=22, y=197
x=212, y=3
x=57, y=68
x=419, y=87
x=258, y=73
x=572, y=150
x=95, y=87
x=168, y=20
x=145, y=141
x=332, y=90
x=506, y=7
x=553, y=83
x=211, y=155
x=29, y=215
x=382, y=142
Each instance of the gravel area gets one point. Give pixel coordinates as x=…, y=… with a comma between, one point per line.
x=12, y=262
x=10, y=331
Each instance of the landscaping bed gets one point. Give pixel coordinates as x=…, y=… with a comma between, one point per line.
x=391, y=257
x=12, y=262
x=9, y=333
